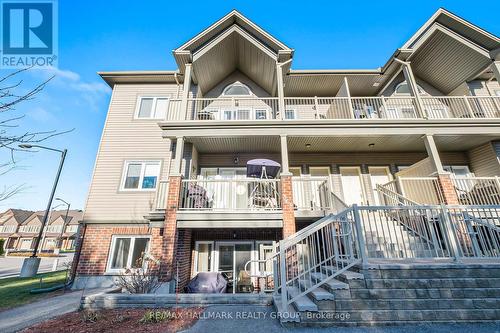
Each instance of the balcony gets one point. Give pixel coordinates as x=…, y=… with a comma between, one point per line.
x=335, y=108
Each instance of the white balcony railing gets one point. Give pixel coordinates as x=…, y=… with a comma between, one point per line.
x=230, y=194
x=7, y=228
x=307, y=108
x=477, y=190
x=29, y=228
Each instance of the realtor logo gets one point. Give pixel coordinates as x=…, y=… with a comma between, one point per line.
x=28, y=33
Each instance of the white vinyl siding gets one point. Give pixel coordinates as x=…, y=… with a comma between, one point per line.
x=125, y=138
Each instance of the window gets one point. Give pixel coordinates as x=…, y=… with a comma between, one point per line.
x=237, y=89
x=127, y=252
x=497, y=92
x=260, y=114
x=152, y=107
x=458, y=170
x=290, y=114
x=140, y=175
x=403, y=89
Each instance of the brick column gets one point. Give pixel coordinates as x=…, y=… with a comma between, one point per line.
x=170, y=229
x=182, y=261
x=447, y=188
x=287, y=206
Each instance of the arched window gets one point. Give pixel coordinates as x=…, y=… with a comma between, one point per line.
x=237, y=89
x=403, y=89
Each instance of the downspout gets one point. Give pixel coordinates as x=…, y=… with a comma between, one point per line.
x=178, y=84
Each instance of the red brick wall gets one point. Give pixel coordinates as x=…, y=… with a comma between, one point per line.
x=182, y=263
x=170, y=228
x=448, y=189
x=95, y=247
x=287, y=205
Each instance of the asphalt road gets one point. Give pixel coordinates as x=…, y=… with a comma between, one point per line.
x=11, y=266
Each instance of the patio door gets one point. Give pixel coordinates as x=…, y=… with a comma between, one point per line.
x=231, y=260
x=378, y=176
x=352, y=185
x=234, y=194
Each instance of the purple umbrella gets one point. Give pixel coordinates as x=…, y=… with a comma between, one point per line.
x=256, y=167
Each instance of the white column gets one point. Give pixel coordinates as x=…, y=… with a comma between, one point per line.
x=412, y=85
x=281, y=93
x=433, y=153
x=186, y=88
x=495, y=66
x=285, y=169
x=179, y=153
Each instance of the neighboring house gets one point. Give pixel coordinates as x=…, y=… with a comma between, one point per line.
x=10, y=221
x=170, y=176
x=59, y=232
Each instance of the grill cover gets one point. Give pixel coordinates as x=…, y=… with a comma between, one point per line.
x=207, y=283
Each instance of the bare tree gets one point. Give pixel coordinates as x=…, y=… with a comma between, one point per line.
x=11, y=132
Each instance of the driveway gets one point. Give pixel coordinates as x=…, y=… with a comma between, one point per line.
x=11, y=266
x=252, y=319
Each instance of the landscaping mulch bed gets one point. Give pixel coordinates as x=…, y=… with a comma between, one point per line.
x=120, y=320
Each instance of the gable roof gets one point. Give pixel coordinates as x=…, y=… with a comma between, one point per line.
x=19, y=215
x=446, y=51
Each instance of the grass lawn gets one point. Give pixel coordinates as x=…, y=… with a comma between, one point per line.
x=16, y=291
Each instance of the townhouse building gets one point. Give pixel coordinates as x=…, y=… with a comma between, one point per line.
x=186, y=168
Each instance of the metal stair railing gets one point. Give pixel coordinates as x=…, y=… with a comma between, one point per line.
x=327, y=248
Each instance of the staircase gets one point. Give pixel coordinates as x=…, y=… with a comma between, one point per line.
x=395, y=295
x=391, y=265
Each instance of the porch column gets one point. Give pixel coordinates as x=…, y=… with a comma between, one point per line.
x=185, y=90
x=169, y=240
x=281, y=93
x=495, y=66
x=446, y=185
x=286, y=191
x=412, y=85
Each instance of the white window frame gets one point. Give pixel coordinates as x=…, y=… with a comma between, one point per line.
x=155, y=100
x=420, y=90
x=290, y=110
x=129, y=258
x=212, y=255
x=266, y=110
x=237, y=83
x=141, y=177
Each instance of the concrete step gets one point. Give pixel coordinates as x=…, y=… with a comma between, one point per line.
x=429, y=271
x=290, y=315
x=332, y=285
x=303, y=303
x=317, y=293
x=415, y=304
x=432, y=293
x=433, y=283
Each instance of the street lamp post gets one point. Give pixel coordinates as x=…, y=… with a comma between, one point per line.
x=65, y=223
x=31, y=264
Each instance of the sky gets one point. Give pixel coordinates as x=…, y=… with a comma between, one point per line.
x=117, y=35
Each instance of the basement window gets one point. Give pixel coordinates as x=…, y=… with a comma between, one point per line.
x=127, y=252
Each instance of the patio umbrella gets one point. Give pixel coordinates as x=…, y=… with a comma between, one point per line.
x=262, y=168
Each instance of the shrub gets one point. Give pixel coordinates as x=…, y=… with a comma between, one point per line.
x=90, y=316
x=142, y=280
x=2, y=242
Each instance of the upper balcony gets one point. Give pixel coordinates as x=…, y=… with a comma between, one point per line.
x=225, y=110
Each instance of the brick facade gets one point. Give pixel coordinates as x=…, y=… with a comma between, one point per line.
x=96, y=244
x=289, y=227
x=170, y=228
x=447, y=188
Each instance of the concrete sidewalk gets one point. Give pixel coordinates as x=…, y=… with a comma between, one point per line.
x=252, y=319
x=16, y=319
